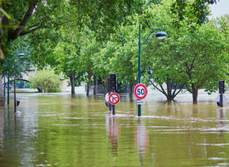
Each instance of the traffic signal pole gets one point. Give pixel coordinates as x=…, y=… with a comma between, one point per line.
x=113, y=87
x=109, y=91
x=221, y=99
x=221, y=91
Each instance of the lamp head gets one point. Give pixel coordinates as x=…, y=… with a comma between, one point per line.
x=150, y=71
x=21, y=55
x=161, y=35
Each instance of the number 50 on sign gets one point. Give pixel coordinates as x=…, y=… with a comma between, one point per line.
x=140, y=91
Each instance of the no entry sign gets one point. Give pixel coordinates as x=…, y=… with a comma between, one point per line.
x=140, y=91
x=114, y=98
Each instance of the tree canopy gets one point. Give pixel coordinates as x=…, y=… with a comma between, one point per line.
x=90, y=39
x=45, y=79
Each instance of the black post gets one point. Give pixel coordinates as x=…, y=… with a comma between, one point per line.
x=109, y=91
x=113, y=109
x=221, y=91
x=113, y=86
x=221, y=99
x=110, y=109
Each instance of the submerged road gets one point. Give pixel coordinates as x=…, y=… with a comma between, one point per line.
x=59, y=129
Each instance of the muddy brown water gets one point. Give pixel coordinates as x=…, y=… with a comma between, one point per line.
x=65, y=130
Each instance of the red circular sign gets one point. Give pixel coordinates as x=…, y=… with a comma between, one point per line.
x=140, y=91
x=114, y=98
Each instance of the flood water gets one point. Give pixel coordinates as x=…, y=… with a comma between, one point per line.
x=65, y=130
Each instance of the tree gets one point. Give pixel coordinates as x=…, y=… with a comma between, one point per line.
x=45, y=79
x=192, y=11
x=88, y=53
x=15, y=65
x=124, y=61
x=196, y=57
x=25, y=17
x=69, y=62
x=205, y=57
x=161, y=55
x=197, y=60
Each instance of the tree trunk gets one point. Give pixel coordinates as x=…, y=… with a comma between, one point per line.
x=169, y=95
x=72, y=80
x=95, y=85
x=105, y=88
x=194, y=93
x=43, y=89
x=89, y=84
x=169, y=98
x=131, y=91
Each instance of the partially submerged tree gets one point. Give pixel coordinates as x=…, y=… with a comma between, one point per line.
x=166, y=76
x=205, y=58
x=45, y=79
x=67, y=60
x=192, y=54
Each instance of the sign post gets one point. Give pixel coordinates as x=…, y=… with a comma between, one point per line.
x=221, y=91
x=220, y=100
x=140, y=92
x=114, y=99
x=109, y=90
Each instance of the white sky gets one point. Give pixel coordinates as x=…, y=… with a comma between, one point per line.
x=219, y=9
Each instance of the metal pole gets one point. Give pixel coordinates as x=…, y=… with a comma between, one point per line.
x=4, y=86
x=113, y=109
x=139, y=66
x=110, y=109
x=221, y=99
x=8, y=89
x=14, y=96
x=113, y=106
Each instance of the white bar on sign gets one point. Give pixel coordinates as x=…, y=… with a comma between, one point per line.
x=139, y=102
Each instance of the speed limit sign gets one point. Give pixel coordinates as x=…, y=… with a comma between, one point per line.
x=140, y=91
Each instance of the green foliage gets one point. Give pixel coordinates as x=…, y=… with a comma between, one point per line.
x=54, y=90
x=25, y=83
x=192, y=11
x=44, y=19
x=46, y=80
x=196, y=58
x=82, y=40
x=12, y=63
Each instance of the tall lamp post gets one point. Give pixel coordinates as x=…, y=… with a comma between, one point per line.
x=21, y=55
x=159, y=35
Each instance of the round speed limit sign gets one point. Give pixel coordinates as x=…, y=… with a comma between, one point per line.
x=140, y=91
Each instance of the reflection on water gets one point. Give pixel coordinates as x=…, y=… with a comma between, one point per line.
x=221, y=113
x=142, y=140
x=65, y=130
x=114, y=133
x=141, y=137
x=2, y=118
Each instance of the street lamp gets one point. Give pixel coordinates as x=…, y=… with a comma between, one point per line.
x=21, y=55
x=159, y=35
